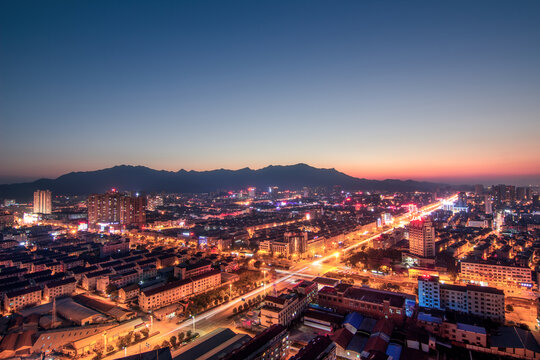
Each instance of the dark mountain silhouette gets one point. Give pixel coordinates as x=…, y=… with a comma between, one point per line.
x=143, y=179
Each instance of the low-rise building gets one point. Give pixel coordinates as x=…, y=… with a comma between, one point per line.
x=19, y=299
x=320, y=348
x=499, y=274
x=58, y=288
x=129, y=293
x=367, y=301
x=271, y=344
x=177, y=290
x=282, y=309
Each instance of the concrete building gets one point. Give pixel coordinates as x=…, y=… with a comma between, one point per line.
x=213, y=346
x=177, y=290
x=496, y=274
x=184, y=271
x=42, y=202
x=19, y=299
x=422, y=238
x=320, y=348
x=482, y=301
x=287, y=307
x=129, y=293
x=271, y=344
x=367, y=301
x=116, y=208
x=282, y=309
x=59, y=288
x=429, y=292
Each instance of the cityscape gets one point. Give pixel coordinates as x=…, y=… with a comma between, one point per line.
x=302, y=180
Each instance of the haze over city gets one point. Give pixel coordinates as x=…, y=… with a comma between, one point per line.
x=446, y=91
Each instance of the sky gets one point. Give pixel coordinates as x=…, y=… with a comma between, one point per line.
x=436, y=90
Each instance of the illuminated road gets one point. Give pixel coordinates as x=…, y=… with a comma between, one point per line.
x=219, y=311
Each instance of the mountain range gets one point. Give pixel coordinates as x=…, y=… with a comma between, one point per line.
x=144, y=179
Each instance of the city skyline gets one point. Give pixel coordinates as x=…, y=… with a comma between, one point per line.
x=487, y=180
x=443, y=92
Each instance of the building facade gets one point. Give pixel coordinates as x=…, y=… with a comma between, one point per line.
x=481, y=301
x=116, y=208
x=42, y=202
x=422, y=238
x=495, y=274
x=177, y=290
x=371, y=302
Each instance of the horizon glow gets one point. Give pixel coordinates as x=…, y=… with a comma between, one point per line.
x=418, y=90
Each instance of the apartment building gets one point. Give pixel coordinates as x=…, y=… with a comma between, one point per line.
x=271, y=344
x=177, y=290
x=495, y=273
x=89, y=280
x=453, y=330
x=319, y=348
x=286, y=307
x=482, y=301
x=19, y=299
x=185, y=271
x=125, y=278
x=128, y=293
x=367, y=301
x=429, y=292
x=282, y=309
x=58, y=288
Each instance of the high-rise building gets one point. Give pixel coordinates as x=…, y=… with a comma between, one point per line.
x=487, y=202
x=297, y=242
x=478, y=189
x=154, y=202
x=504, y=193
x=521, y=193
x=422, y=238
x=251, y=192
x=116, y=208
x=42, y=202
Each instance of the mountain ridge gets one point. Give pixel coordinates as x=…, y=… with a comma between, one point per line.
x=145, y=179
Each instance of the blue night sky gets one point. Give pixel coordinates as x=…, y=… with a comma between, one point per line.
x=445, y=90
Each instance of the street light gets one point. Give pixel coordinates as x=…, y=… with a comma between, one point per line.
x=193, y=316
x=230, y=291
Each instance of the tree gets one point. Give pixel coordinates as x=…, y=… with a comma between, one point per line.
x=110, y=348
x=234, y=310
x=509, y=307
x=99, y=354
x=165, y=343
x=257, y=264
x=145, y=332
x=181, y=336
x=188, y=334
x=137, y=337
x=110, y=288
x=173, y=341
